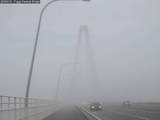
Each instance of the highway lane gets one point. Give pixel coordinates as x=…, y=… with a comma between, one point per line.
x=119, y=112
x=113, y=115
x=152, y=114
x=109, y=112
x=68, y=113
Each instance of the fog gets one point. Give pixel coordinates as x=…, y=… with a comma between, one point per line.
x=119, y=62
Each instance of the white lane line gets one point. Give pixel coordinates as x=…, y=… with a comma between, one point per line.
x=133, y=109
x=106, y=117
x=91, y=114
x=135, y=116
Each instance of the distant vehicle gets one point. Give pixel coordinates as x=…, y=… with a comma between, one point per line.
x=127, y=103
x=96, y=106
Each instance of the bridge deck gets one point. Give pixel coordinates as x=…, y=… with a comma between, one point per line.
x=36, y=113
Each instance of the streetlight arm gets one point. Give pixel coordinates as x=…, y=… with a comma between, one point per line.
x=34, y=51
x=35, y=47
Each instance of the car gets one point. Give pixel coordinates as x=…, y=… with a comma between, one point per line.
x=127, y=103
x=95, y=106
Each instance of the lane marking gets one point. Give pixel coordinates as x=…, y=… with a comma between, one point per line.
x=139, y=117
x=92, y=114
x=148, y=111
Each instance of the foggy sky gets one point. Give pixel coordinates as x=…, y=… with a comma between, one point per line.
x=124, y=35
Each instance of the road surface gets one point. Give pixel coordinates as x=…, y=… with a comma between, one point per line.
x=68, y=113
x=134, y=112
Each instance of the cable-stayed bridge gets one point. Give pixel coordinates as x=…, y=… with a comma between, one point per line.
x=15, y=108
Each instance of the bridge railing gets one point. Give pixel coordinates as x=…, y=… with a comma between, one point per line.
x=10, y=102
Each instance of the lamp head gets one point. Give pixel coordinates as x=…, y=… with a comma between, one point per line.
x=86, y=0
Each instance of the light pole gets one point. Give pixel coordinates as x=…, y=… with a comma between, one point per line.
x=35, y=48
x=59, y=77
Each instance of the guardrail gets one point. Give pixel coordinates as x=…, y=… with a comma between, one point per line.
x=10, y=102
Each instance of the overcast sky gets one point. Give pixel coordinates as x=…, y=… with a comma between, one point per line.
x=125, y=37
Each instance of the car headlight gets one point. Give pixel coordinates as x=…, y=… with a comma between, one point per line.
x=92, y=107
x=100, y=107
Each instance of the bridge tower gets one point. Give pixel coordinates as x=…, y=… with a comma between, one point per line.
x=84, y=57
